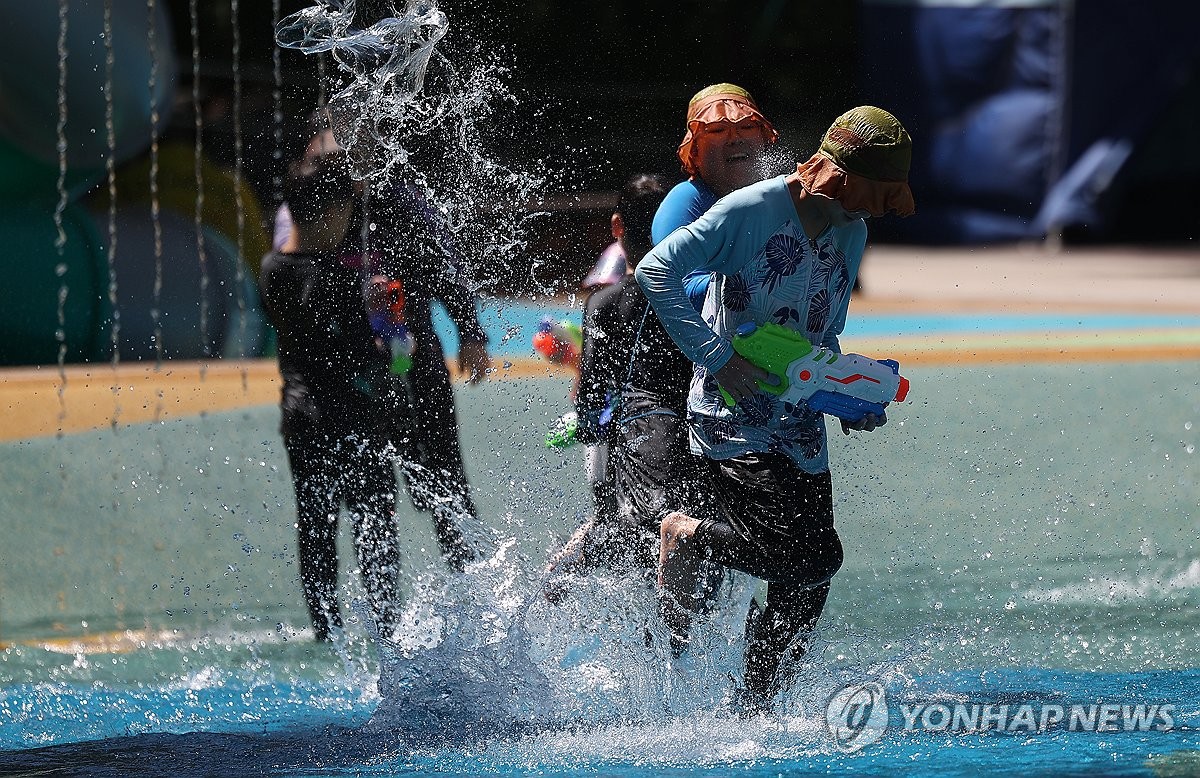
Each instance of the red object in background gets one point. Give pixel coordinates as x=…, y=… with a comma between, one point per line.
x=560, y=352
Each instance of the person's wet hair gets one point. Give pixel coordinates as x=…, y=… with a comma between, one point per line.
x=639, y=200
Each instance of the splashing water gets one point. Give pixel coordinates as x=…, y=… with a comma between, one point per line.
x=384, y=66
x=458, y=663
x=482, y=672
x=485, y=654
x=431, y=138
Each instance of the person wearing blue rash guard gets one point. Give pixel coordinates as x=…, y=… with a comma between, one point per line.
x=785, y=250
x=721, y=151
x=649, y=463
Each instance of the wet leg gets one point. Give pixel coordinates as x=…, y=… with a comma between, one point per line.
x=316, y=527
x=567, y=560
x=678, y=576
x=437, y=479
x=371, y=502
x=310, y=461
x=778, y=639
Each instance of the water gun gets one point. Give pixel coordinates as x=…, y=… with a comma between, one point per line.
x=389, y=323
x=559, y=342
x=564, y=432
x=848, y=386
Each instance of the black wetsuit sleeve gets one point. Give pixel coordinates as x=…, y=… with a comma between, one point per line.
x=605, y=350
x=460, y=303
x=415, y=246
x=591, y=382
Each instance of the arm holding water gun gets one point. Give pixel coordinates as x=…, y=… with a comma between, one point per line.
x=561, y=343
x=849, y=386
x=590, y=351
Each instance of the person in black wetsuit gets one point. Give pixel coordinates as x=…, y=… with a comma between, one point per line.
x=649, y=461
x=338, y=400
x=410, y=243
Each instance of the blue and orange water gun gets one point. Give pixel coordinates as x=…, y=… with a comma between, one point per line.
x=848, y=386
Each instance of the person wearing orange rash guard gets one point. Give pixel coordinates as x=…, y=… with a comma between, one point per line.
x=648, y=458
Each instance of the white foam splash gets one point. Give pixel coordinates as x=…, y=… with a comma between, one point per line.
x=1105, y=590
x=383, y=69
x=405, y=112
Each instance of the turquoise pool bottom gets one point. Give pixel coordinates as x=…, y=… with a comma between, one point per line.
x=243, y=727
x=511, y=324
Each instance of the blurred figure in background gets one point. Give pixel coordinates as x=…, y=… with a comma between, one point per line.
x=338, y=398
x=411, y=242
x=625, y=346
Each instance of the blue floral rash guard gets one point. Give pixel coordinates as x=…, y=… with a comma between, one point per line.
x=767, y=270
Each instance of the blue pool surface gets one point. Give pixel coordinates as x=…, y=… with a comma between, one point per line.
x=1003, y=549
x=318, y=731
x=510, y=325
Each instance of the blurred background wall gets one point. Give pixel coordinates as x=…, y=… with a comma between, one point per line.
x=1031, y=116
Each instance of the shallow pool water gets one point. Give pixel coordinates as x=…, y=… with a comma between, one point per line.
x=1017, y=537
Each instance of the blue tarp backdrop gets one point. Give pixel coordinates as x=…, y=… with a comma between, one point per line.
x=1026, y=114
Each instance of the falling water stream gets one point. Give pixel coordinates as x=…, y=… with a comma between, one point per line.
x=110, y=167
x=277, y=108
x=60, y=238
x=198, y=220
x=239, y=275
x=155, y=206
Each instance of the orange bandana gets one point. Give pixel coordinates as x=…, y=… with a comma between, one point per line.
x=821, y=175
x=733, y=106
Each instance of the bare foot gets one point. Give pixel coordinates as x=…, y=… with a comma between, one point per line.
x=673, y=534
x=568, y=559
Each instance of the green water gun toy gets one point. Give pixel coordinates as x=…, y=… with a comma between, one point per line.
x=848, y=386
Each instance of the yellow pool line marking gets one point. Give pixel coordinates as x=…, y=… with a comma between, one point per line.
x=94, y=397
x=951, y=349
x=123, y=641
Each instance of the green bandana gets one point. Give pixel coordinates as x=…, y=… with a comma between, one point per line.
x=869, y=142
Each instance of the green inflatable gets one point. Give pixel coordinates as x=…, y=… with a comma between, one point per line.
x=35, y=269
